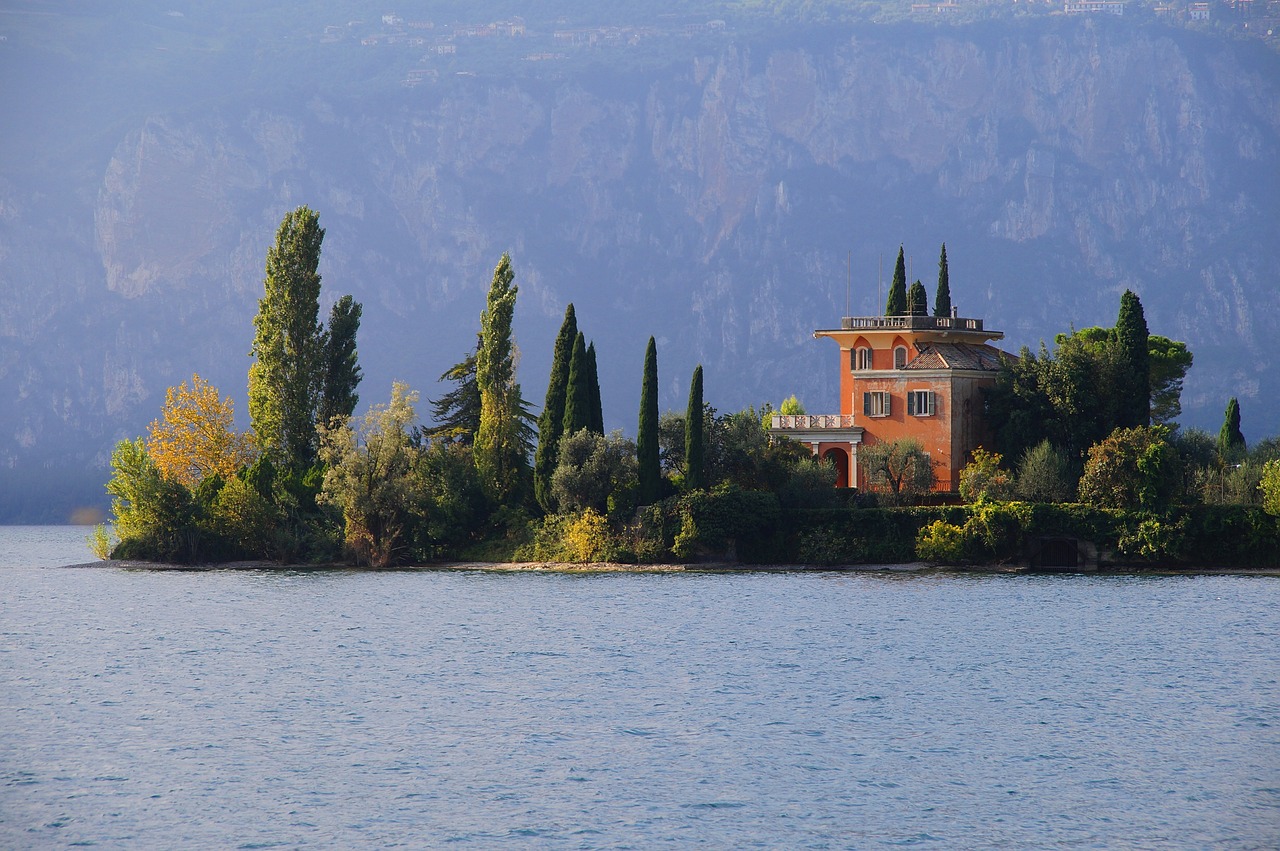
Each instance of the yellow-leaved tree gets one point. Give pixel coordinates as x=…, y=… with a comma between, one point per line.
x=196, y=437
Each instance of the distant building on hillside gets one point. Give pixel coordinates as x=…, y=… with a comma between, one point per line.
x=918, y=377
x=1091, y=7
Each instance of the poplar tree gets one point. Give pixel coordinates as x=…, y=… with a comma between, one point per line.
x=1133, y=354
x=917, y=300
x=498, y=452
x=551, y=422
x=942, y=299
x=285, y=377
x=695, y=466
x=595, y=407
x=897, y=302
x=1231, y=445
x=647, y=454
x=577, y=402
x=338, y=397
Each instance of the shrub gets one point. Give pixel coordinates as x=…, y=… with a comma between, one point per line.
x=943, y=542
x=982, y=478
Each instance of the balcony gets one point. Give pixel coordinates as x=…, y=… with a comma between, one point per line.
x=909, y=323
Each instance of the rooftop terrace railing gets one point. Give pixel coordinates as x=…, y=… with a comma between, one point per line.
x=812, y=421
x=910, y=323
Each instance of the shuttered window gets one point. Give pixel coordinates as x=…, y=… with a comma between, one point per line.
x=921, y=403
x=876, y=404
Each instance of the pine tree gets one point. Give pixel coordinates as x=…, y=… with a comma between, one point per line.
x=942, y=300
x=457, y=413
x=577, y=400
x=1135, y=365
x=338, y=397
x=897, y=302
x=498, y=451
x=917, y=300
x=1231, y=445
x=551, y=423
x=647, y=455
x=695, y=467
x=285, y=377
x=596, y=406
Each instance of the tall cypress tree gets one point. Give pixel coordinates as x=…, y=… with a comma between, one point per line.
x=942, y=300
x=498, y=450
x=1231, y=445
x=917, y=300
x=285, y=377
x=1134, y=358
x=695, y=450
x=338, y=397
x=551, y=423
x=577, y=400
x=647, y=454
x=596, y=406
x=896, y=305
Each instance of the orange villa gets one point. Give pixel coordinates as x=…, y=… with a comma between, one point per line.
x=904, y=376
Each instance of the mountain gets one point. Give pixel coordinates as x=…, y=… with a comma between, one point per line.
x=725, y=189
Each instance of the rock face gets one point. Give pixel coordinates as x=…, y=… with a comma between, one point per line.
x=727, y=203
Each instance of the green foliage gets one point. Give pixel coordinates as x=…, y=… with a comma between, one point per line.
x=1133, y=468
x=594, y=408
x=917, y=300
x=899, y=471
x=725, y=524
x=896, y=304
x=811, y=482
x=456, y=506
x=154, y=517
x=983, y=478
x=1170, y=361
x=1231, y=445
x=1270, y=487
x=943, y=543
x=340, y=369
x=245, y=518
x=457, y=413
x=101, y=541
x=942, y=299
x=595, y=472
x=285, y=378
x=671, y=443
x=1044, y=475
x=695, y=468
x=551, y=423
x=1154, y=538
x=1134, y=374
x=500, y=453
x=577, y=402
x=648, y=461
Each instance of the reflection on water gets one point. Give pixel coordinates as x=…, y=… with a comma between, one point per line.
x=347, y=709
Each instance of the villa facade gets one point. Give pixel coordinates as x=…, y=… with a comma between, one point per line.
x=918, y=377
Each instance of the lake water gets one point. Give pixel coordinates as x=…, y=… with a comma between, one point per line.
x=220, y=709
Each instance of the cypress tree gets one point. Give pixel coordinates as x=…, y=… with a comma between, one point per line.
x=1134, y=358
x=1231, y=445
x=338, y=397
x=551, y=423
x=647, y=455
x=695, y=467
x=498, y=450
x=595, y=408
x=942, y=300
x=897, y=302
x=917, y=300
x=285, y=378
x=577, y=401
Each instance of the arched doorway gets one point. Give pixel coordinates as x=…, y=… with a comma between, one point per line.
x=840, y=458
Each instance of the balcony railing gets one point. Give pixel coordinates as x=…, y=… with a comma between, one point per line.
x=812, y=421
x=910, y=323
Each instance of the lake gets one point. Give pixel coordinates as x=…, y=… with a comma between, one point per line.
x=280, y=709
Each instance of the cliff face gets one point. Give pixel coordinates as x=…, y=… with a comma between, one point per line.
x=719, y=203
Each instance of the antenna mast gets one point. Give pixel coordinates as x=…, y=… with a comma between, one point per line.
x=880, y=279
x=848, y=280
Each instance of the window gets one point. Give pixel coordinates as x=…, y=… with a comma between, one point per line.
x=862, y=358
x=921, y=403
x=876, y=404
x=899, y=357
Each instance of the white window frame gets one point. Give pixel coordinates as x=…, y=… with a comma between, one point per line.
x=922, y=403
x=862, y=358
x=877, y=403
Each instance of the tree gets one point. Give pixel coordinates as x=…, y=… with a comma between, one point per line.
x=984, y=479
x=596, y=472
x=896, y=305
x=942, y=299
x=1170, y=361
x=457, y=413
x=370, y=477
x=1270, y=487
x=285, y=378
x=577, y=400
x=648, y=464
x=1132, y=468
x=695, y=470
x=1231, y=445
x=1043, y=475
x=900, y=469
x=595, y=407
x=340, y=369
x=499, y=454
x=195, y=436
x=154, y=517
x=551, y=423
x=1134, y=360
x=917, y=300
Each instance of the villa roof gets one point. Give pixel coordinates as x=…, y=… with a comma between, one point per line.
x=956, y=356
